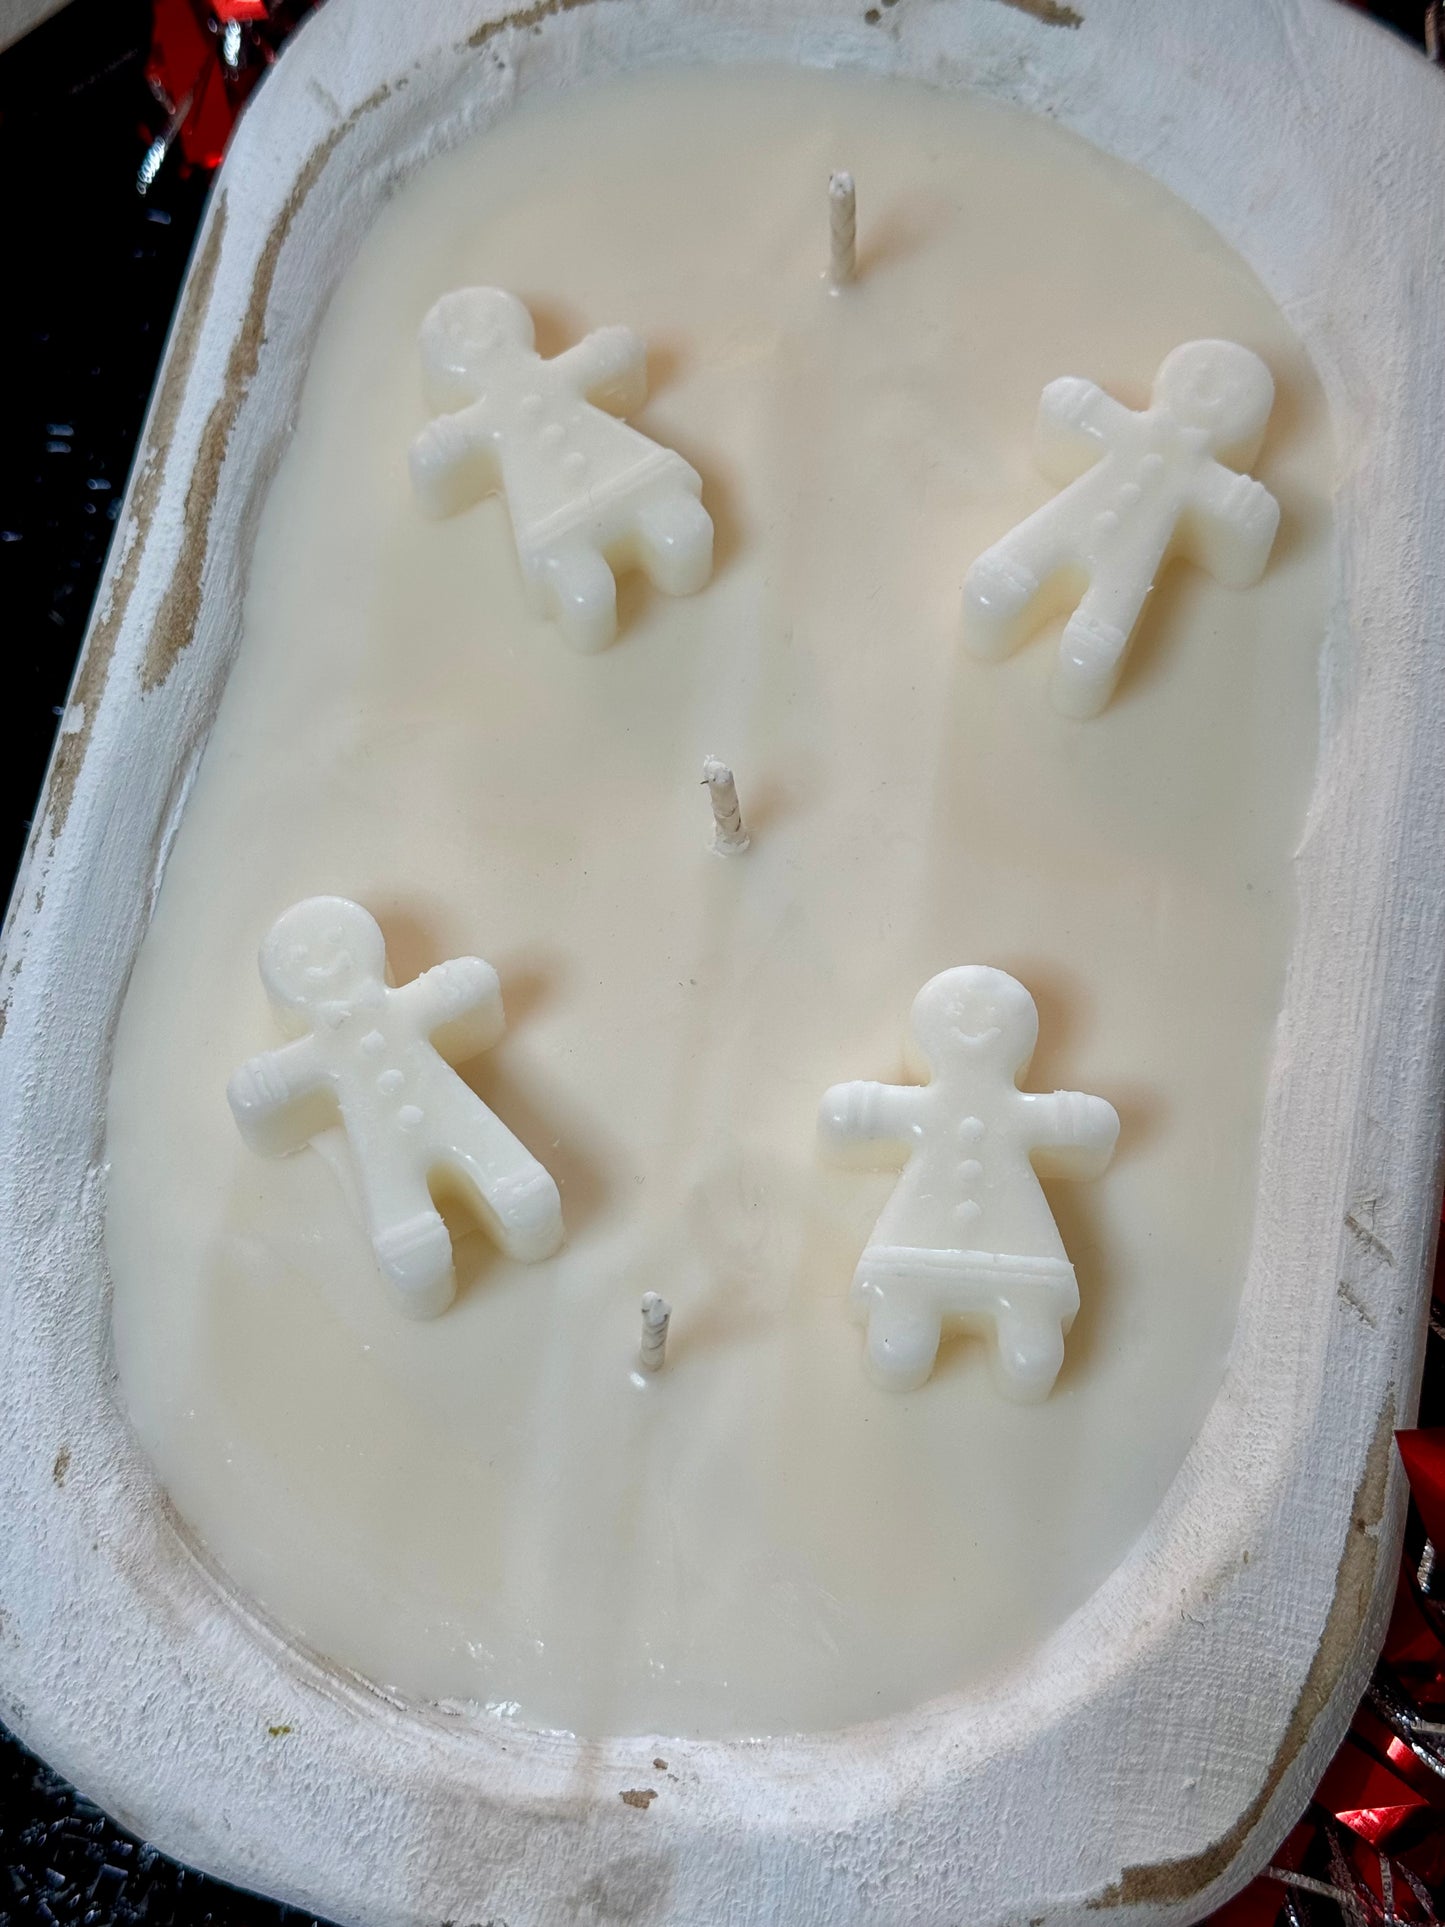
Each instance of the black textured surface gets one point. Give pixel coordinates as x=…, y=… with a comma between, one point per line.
x=95, y=269
x=66, y=1865
x=93, y=272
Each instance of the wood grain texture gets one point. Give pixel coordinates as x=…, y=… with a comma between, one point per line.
x=1159, y=1744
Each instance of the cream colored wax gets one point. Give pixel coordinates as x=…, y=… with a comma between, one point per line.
x=497, y=1506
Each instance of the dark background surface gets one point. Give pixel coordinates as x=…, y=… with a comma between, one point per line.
x=93, y=269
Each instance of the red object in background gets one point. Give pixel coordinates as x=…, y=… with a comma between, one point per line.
x=1371, y=1849
x=205, y=57
x=1424, y=1456
x=184, y=71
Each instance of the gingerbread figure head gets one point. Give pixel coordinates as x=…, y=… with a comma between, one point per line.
x=1223, y=390
x=325, y=951
x=463, y=334
x=978, y=1016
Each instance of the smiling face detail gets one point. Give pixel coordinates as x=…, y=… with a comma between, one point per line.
x=323, y=951
x=1220, y=389
x=979, y=1016
x=466, y=331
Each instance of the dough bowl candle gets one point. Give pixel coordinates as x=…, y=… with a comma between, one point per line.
x=551, y=421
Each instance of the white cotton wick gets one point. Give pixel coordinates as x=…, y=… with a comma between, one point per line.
x=656, y=1312
x=730, y=836
x=842, y=229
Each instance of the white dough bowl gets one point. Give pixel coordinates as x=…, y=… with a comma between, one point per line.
x=1156, y=1748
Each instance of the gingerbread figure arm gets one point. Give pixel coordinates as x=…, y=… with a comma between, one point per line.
x=1076, y=423
x=281, y=1099
x=455, y=462
x=607, y=368
x=458, y=1005
x=869, y=1126
x=1070, y=1134
x=1229, y=526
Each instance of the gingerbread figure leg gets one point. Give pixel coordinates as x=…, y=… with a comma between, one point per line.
x=904, y=1330
x=1004, y=591
x=516, y=1197
x=579, y=588
x=1091, y=649
x=523, y=1209
x=411, y=1243
x=1028, y=1354
x=674, y=541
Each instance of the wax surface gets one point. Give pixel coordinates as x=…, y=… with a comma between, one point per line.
x=493, y=1506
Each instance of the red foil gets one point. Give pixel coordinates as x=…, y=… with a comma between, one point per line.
x=1371, y=1849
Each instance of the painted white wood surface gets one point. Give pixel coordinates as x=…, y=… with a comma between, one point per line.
x=1158, y=1746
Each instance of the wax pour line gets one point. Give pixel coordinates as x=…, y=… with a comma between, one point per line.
x=730, y=834
x=842, y=230
x=656, y=1315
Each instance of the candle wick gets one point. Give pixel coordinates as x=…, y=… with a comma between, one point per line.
x=730, y=834
x=656, y=1314
x=842, y=230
